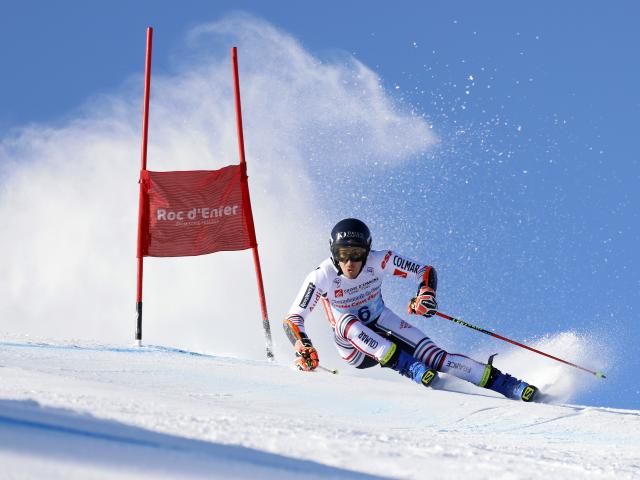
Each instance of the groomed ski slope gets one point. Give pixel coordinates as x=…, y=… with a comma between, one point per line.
x=94, y=411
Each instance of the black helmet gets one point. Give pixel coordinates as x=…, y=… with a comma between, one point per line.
x=350, y=232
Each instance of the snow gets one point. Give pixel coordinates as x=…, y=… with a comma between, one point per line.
x=80, y=410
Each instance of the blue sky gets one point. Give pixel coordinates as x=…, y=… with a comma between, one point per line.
x=528, y=205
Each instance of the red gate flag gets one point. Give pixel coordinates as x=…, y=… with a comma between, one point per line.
x=194, y=212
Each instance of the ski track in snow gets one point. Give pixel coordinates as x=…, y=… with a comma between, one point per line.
x=100, y=411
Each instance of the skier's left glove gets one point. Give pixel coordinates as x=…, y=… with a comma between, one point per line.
x=424, y=303
x=307, y=356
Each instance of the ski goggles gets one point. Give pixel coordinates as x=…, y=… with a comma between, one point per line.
x=355, y=254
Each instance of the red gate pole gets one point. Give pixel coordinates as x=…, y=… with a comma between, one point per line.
x=248, y=214
x=145, y=130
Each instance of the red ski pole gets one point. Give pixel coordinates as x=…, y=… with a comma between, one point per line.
x=495, y=335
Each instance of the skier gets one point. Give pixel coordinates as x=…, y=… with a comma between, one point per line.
x=366, y=332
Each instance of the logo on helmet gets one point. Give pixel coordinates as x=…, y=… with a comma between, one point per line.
x=343, y=235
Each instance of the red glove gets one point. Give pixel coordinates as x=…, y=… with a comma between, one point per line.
x=424, y=303
x=307, y=357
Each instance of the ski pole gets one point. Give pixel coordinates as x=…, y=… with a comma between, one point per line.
x=482, y=330
x=328, y=370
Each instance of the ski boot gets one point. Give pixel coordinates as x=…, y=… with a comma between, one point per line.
x=408, y=366
x=507, y=385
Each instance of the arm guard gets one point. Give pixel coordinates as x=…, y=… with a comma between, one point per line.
x=293, y=331
x=429, y=279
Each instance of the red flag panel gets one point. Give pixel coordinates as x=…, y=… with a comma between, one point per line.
x=194, y=212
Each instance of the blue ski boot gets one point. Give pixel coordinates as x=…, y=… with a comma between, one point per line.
x=507, y=385
x=410, y=367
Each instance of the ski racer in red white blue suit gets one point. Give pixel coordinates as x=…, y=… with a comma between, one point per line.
x=368, y=333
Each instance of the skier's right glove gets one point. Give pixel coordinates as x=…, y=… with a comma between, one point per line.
x=424, y=303
x=307, y=356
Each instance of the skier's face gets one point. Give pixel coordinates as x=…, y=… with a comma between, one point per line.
x=350, y=269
